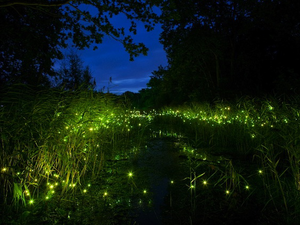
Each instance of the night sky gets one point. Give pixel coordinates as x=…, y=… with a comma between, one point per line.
x=111, y=60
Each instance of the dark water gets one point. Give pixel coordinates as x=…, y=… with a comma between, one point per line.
x=162, y=162
x=159, y=161
x=154, y=167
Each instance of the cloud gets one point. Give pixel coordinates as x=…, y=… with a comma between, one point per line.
x=111, y=60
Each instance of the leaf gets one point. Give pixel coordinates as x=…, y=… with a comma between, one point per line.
x=18, y=194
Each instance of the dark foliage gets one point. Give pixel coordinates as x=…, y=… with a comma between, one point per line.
x=72, y=75
x=32, y=33
x=29, y=39
x=223, y=49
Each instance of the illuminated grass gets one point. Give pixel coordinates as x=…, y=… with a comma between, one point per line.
x=55, y=144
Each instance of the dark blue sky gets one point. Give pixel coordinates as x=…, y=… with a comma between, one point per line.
x=111, y=60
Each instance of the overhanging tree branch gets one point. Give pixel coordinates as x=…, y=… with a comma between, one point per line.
x=38, y=3
x=48, y=25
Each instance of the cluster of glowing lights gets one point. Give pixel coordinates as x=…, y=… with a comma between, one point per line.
x=224, y=115
x=127, y=121
x=53, y=185
x=51, y=191
x=131, y=120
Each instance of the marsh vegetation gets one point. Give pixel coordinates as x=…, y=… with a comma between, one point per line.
x=72, y=157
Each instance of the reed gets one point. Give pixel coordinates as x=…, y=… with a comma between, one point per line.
x=54, y=143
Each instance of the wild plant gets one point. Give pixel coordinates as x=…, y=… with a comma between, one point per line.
x=54, y=137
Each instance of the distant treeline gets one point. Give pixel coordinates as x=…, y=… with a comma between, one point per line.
x=226, y=49
x=216, y=49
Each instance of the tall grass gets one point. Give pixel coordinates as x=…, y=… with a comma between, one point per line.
x=57, y=137
x=55, y=141
x=258, y=132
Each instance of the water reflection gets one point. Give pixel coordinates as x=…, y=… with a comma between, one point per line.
x=159, y=164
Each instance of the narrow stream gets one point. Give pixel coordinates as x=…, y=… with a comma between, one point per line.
x=160, y=163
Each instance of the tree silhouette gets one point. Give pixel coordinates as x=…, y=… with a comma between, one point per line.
x=72, y=75
x=223, y=49
x=33, y=32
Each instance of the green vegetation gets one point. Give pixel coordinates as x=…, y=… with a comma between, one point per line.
x=72, y=157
